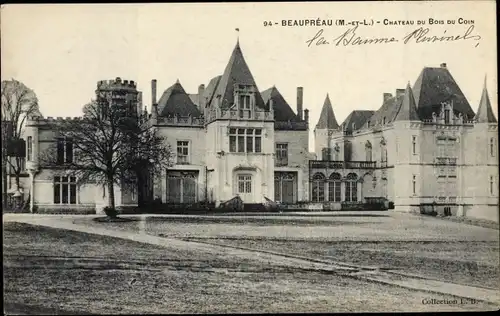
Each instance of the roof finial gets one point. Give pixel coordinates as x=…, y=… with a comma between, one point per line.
x=485, y=80
x=238, y=37
x=177, y=80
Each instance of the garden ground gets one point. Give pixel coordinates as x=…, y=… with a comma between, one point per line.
x=50, y=270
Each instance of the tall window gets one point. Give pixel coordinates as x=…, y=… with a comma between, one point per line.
x=383, y=155
x=29, y=148
x=368, y=151
x=442, y=187
x=284, y=187
x=64, y=190
x=492, y=147
x=447, y=116
x=334, y=183
x=64, y=150
x=446, y=147
x=182, y=152
x=383, y=120
x=245, y=140
x=244, y=183
x=414, y=144
x=351, y=188
x=414, y=184
x=318, y=187
x=281, y=154
x=181, y=187
x=244, y=105
x=492, y=184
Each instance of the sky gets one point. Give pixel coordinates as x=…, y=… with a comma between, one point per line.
x=61, y=51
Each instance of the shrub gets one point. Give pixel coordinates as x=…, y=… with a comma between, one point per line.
x=110, y=212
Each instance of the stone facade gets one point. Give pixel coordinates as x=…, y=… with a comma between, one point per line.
x=417, y=151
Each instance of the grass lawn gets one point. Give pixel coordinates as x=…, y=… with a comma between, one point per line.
x=50, y=271
x=471, y=263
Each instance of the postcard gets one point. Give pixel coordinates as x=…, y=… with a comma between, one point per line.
x=250, y=157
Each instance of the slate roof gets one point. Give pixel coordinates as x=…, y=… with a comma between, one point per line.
x=327, y=118
x=436, y=85
x=176, y=101
x=388, y=110
x=356, y=119
x=236, y=72
x=407, y=110
x=210, y=90
x=194, y=98
x=485, y=112
x=282, y=110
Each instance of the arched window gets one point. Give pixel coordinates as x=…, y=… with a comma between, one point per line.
x=368, y=150
x=318, y=187
x=351, y=188
x=334, y=187
x=383, y=155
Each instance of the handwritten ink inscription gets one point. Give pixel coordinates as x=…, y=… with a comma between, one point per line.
x=417, y=36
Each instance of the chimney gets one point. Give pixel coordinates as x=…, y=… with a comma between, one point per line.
x=400, y=92
x=139, y=103
x=153, y=91
x=201, y=97
x=154, y=111
x=387, y=96
x=300, y=99
x=443, y=65
x=306, y=115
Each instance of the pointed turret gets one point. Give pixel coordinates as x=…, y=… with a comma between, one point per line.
x=327, y=118
x=485, y=112
x=236, y=73
x=408, y=108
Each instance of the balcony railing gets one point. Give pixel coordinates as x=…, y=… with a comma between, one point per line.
x=446, y=199
x=446, y=161
x=322, y=164
x=181, y=121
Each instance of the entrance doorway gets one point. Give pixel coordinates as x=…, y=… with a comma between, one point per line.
x=244, y=187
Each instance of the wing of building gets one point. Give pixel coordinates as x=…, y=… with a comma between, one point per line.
x=423, y=150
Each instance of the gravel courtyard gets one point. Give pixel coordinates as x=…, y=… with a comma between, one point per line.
x=52, y=271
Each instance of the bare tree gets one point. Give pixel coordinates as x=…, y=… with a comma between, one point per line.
x=110, y=146
x=18, y=102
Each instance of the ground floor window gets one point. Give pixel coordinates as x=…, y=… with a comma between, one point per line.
x=64, y=190
x=284, y=187
x=318, y=187
x=244, y=183
x=334, y=183
x=351, y=188
x=181, y=186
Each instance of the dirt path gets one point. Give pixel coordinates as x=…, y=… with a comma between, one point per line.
x=371, y=274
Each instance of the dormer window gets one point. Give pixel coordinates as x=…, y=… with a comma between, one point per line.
x=244, y=105
x=447, y=116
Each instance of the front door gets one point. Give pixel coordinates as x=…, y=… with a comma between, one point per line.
x=245, y=187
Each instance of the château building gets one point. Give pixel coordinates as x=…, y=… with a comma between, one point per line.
x=423, y=149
